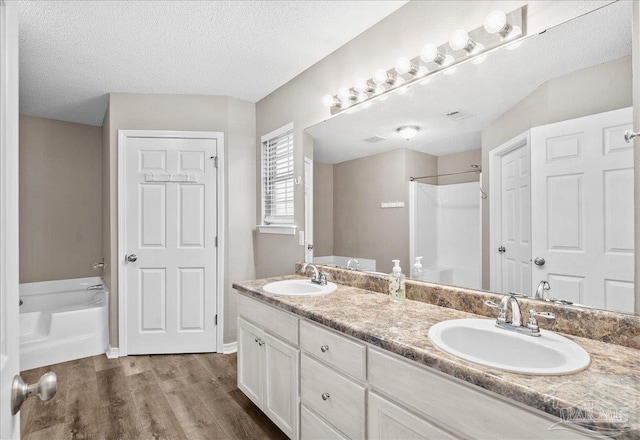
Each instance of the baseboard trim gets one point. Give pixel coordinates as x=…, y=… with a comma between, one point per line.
x=230, y=348
x=112, y=352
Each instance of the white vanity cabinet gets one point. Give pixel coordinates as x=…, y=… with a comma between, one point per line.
x=268, y=367
x=316, y=383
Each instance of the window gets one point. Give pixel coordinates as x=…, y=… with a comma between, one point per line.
x=278, y=182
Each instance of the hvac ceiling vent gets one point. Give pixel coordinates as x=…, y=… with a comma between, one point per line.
x=373, y=140
x=457, y=115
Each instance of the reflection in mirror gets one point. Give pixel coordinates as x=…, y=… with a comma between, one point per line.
x=518, y=178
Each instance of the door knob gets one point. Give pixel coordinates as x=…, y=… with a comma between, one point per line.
x=539, y=261
x=132, y=258
x=629, y=135
x=45, y=389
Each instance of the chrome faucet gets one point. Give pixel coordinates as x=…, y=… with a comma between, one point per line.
x=515, y=323
x=542, y=287
x=96, y=287
x=318, y=277
x=353, y=260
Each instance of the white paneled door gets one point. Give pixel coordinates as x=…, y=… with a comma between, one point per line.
x=170, y=250
x=582, y=209
x=515, y=240
x=9, y=320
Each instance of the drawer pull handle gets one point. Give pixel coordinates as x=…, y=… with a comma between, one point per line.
x=324, y=348
x=260, y=342
x=325, y=396
x=257, y=339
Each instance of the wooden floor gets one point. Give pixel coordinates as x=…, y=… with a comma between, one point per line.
x=191, y=396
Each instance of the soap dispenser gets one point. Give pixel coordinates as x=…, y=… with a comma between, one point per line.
x=417, y=273
x=397, y=289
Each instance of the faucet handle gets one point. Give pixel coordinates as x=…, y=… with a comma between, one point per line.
x=491, y=304
x=532, y=322
x=323, y=278
x=546, y=315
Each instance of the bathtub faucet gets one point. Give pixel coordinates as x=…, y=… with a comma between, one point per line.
x=96, y=287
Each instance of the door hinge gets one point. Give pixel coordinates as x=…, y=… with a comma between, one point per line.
x=215, y=161
x=216, y=241
x=216, y=320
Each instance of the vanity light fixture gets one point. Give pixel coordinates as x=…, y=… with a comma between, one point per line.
x=498, y=30
x=408, y=131
x=405, y=66
x=330, y=101
x=496, y=23
x=382, y=77
x=460, y=40
x=431, y=54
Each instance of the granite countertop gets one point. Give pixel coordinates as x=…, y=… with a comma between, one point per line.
x=608, y=391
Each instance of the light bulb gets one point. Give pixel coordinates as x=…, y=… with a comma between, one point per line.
x=495, y=22
x=398, y=82
x=422, y=71
x=379, y=89
x=381, y=76
x=459, y=39
x=361, y=85
x=361, y=97
x=344, y=94
x=328, y=101
x=404, y=66
x=429, y=53
x=408, y=131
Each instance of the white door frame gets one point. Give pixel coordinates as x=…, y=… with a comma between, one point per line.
x=308, y=210
x=495, y=202
x=122, y=291
x=9, y=222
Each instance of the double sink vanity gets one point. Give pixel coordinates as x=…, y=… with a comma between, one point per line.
x=340, y=361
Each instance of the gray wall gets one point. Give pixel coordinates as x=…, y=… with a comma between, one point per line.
x=452, y=163
x=593, y=90
x=299, y=100
x=233, y=117
x=322, y=209
x=60, y=199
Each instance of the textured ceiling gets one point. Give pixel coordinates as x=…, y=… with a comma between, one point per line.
x=484, y=91
x=73, y=53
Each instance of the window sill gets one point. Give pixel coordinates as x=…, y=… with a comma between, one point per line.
x=277, y=229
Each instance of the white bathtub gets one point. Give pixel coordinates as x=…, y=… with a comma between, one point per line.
x=61, y=321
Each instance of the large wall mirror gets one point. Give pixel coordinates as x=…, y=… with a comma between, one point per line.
x=518, y=178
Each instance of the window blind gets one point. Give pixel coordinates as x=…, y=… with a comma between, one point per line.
x=278, y=185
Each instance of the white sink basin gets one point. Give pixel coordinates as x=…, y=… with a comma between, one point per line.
x=480, y=341
x=299, y=288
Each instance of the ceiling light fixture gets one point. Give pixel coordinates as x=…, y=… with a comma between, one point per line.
x=498, y=30
x=408, y=131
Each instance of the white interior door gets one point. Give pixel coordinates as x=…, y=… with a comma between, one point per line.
x=514, y=249
x=171, y=244
x=9, y=337
x=308, y=210
x=582, y=205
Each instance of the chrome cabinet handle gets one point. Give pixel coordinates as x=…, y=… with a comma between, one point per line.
x=260, y=342
x=325, y=396
x=257, y=339
x=46, y=388
x=132, y=258
x=324, y=348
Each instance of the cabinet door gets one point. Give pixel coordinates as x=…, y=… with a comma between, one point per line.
x=281, y=388
x=388, y=421
x=250, y=376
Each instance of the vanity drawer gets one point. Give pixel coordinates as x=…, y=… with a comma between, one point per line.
x=342, y=353
x=276, y=322
x=314, y=428
x=473, y=412
x=334, y=397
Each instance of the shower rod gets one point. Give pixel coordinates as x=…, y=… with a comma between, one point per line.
x=476, y=169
